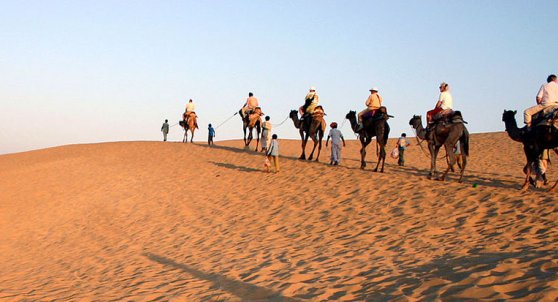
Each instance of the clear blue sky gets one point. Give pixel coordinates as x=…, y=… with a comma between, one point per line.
x=92, y=71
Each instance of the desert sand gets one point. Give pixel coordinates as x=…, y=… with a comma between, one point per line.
x=154, y=221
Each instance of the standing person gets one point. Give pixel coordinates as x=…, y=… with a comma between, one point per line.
x=547, y=96
x=310, y=102
x=373, y=103
x=336, y=139
x=165, y=130
x=273, y=152
x=402, y=144
x=266, y=137
x=444, y=105
x=210, y=135
x=251, y=104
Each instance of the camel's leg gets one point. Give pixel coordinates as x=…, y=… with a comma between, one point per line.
x=451, y=160
x=528, y=169
x=433, y=155
x=245, y=136
x=192, y=138
x=382, y=158
x=185, y=138
x=315, y=141
x=304, y=138
x=363, y=143
x=319, y=146
x=257, y=139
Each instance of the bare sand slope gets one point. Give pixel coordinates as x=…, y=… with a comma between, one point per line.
x=148, y=221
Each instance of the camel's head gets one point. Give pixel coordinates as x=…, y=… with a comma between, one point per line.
x=351, y=115
x=293, y=114
x=416, y=121
x=509, y=115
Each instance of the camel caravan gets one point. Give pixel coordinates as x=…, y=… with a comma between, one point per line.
x=445, y=128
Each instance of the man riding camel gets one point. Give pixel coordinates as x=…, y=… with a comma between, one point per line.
x=546, y=97
x=443, y=107
x=373, y=103
x=311, y=101
x=251, y=104
x=190, y=111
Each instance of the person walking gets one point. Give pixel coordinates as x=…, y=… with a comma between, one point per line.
x=266, y=133
x=402, y=144
x=336, y=140
x=210, y=135
x=165, y=130
x=273, y=153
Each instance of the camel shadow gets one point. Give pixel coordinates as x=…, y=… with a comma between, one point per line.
x=235, y=167
x=244, y=291
x=456, y=269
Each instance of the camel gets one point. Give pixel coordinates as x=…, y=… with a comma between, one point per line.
x=311, y=127
x=447, y=135
x=374, y=126
x=535, y=141
x=191, y=124
x=250, y=121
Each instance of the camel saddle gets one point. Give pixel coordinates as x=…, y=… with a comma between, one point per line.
x=453, y=117
x=319, y=113
x=376, y=114
x=186, y=116
x=546, y=117
x=252, y=116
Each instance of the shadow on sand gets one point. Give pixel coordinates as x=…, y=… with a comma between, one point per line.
x=245, y=291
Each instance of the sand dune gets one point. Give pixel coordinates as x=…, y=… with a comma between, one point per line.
x=154, y=221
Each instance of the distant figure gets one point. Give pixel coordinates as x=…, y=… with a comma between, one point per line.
x=273, y=152
x=311, y=101
x=210, y=135
x=251, y=104
x=165, y=130
x=373, y=103
x=266, y=137
x=444, y=106
x=402, y=144
x=546, y=97
x=336, y=139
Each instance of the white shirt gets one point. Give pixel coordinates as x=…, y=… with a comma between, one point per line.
x=446, y=100
x=190, y=107
x=336, y=136
x=548, y=94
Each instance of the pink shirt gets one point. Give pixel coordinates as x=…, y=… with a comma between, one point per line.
x=251, y=103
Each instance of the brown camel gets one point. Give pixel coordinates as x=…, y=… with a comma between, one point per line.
x=445, y=134
x=312, y=126
x=189, y=123
x=540, y=137
x=250, y=121
x=376, y=126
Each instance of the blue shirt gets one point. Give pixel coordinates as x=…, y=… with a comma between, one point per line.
x=211, y=131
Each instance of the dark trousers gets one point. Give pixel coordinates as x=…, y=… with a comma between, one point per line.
x=401, y=161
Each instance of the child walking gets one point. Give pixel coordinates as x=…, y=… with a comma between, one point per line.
x=336, y=139
x=402, y=144
x=210, y=135
x=273, y=153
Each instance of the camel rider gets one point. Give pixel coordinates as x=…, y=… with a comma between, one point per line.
x=373, y=103
x=546, y=97
x=190, y=109
x=310, y=102
x=251, y=104
x=444, y=106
